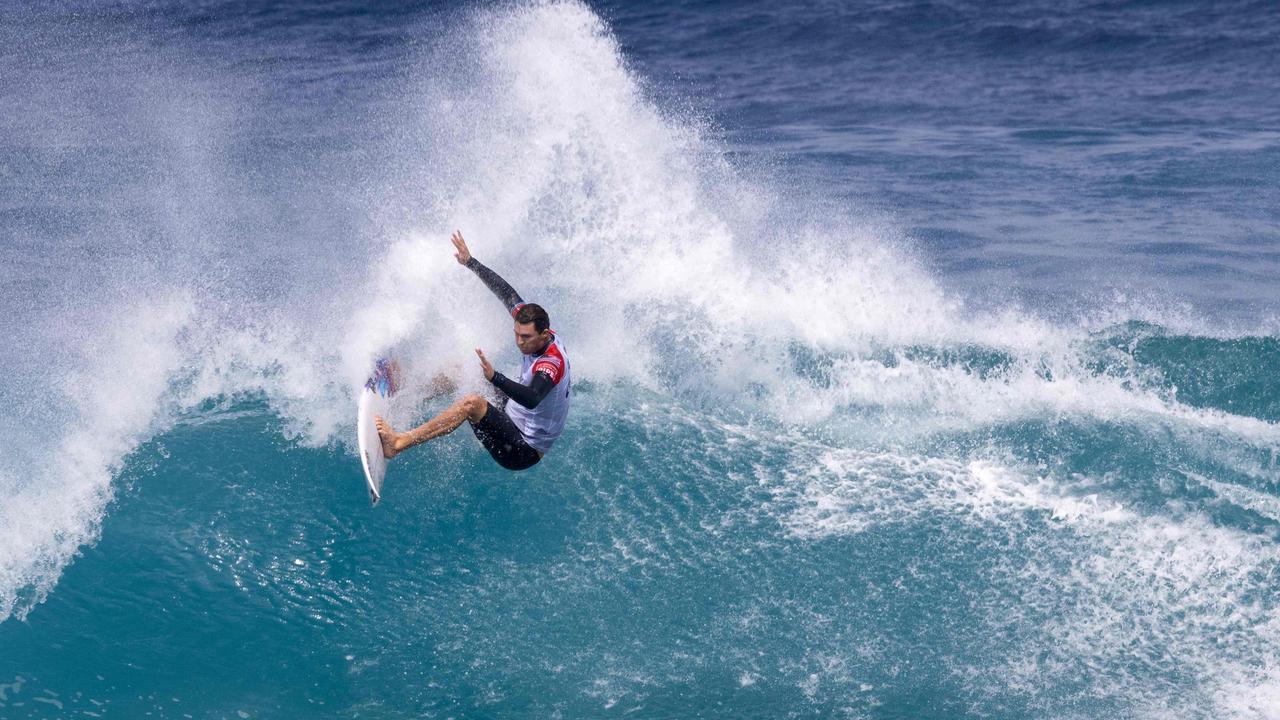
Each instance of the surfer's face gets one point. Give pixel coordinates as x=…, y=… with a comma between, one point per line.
x=530, y=340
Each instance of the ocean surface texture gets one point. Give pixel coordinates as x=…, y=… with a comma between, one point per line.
x=926, y=359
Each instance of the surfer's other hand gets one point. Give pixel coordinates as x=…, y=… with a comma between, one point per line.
x=485, y=367
x=463, y=255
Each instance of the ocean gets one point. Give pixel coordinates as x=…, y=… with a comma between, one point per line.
x=926, y=359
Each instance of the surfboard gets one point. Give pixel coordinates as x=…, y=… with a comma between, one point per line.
x=375, y=400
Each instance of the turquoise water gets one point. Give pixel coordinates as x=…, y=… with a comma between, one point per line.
x=894, y=398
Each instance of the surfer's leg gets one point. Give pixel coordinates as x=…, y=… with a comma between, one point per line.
x=471, y=407
x=500, y=436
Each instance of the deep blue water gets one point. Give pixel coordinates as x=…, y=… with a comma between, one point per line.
x=927, y=359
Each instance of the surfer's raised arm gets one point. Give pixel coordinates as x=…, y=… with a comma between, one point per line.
x=491, y=279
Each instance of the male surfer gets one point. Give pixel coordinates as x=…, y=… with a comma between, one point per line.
x=517, y=436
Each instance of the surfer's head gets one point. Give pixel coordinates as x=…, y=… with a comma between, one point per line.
x=532, y=328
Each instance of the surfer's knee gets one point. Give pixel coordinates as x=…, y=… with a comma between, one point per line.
x=476, y=406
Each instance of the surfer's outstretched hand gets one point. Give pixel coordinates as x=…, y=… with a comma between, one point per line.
x=463, y=254
x=485, y=366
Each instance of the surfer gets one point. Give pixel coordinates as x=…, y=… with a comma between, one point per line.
x=519, y=433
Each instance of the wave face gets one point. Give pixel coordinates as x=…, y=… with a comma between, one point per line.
x=818, y=464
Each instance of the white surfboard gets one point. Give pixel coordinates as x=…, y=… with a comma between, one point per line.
x=375, y=400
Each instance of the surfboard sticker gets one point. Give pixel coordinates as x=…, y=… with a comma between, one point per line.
x=375, y=400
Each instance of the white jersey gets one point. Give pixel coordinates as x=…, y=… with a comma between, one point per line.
x=544, y=423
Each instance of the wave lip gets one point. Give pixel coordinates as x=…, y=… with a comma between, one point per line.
x=57, y=483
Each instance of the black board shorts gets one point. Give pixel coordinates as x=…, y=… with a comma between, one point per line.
x=503, y=440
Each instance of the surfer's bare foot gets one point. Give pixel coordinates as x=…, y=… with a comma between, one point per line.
x=388, y=437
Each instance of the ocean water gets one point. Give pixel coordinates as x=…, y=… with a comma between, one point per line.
x=927, y=359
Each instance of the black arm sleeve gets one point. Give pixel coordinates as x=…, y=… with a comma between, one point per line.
x=505, y=292
x=527, y=395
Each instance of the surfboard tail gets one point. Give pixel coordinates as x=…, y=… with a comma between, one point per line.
x=375, y=400
x=385, y=379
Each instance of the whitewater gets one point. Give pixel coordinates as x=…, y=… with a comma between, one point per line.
x=806, y=475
